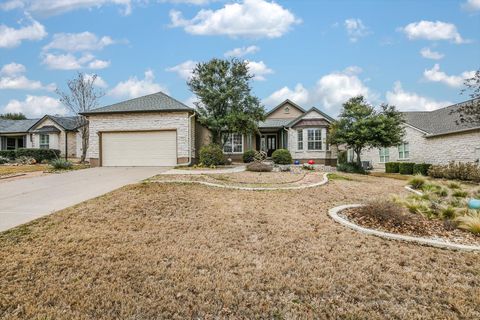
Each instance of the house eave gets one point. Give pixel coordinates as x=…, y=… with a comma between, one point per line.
x=452, y=132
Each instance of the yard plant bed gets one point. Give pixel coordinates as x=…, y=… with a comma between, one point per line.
x=412, y=225
x=260, y=178
x=157, y=251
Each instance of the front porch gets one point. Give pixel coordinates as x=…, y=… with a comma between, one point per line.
x=13, y=142
x=271, y=140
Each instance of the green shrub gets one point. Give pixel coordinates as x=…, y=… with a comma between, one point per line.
x=10, y=154
x=392, y=167
x=454, y=185
x=342, y=157
x=448, y=212
x=259, y=167
x=351, y=167
x=249, y=156
x=38, y=154
x=61, y=164
x=460, y=194
x=459, y=171
x=3, y=160
x=417, y=182
x=421, y=168
x=211, y=155
x=282, y=156
x=405, y=167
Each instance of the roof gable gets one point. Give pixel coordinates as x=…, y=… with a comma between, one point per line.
x=312, y=113
x=66, y=123
x=286, y=109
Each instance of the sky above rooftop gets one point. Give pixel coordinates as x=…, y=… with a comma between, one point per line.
x=412, y=54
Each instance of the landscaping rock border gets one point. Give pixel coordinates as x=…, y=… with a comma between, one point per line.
x=334, y=214
x=217, y=185
x=409, y=188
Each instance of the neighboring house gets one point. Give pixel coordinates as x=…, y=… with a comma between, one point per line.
x=288, y=126
x=49, y=132
x=153, y=130
x=435, y=137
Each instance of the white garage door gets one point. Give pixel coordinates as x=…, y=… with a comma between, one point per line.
x=139, y=149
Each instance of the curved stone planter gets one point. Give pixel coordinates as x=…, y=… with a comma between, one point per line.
x=334, y=214
x=217, y=185
x=213, y=171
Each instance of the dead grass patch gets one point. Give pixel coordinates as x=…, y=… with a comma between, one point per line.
x=6, y=170
x=155, y=251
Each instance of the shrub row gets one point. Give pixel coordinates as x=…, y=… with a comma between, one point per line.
x=38, y=154
x=407, y=168
x=350, y=167
x=460, y=171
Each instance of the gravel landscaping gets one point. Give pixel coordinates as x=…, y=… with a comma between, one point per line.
x=176, y=251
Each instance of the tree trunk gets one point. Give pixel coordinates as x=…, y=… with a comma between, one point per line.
x=85, y=138
x=359, y=161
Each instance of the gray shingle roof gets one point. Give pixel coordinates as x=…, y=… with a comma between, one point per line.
x=153, y=102
x=16, y=126
x=274, y=123
x=68, y=123
x=47, y=129
x=440, y=121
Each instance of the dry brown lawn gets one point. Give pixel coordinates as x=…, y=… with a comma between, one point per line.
x=163, y=251
x=6, y=170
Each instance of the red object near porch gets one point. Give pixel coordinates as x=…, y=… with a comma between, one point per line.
x=311, y=162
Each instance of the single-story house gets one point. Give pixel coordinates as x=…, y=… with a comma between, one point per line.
x=158, y=130
x=436, y=137
x=49, y=132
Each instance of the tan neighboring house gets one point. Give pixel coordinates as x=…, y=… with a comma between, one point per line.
x=435, y=137
x=288, y=126
x=49, y=132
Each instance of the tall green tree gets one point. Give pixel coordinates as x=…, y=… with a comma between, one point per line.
x=226, y=102
x=361, y=126
x=469, y=112
x=13, y=116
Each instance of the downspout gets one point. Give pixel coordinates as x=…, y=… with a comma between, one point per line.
x=66, y=146
x=285, y=147
x=189, y=141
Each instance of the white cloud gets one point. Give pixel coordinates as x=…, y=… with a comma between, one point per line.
x=433, y=30
x=191, y=101
x=355, y=29
x=248, y=18
x=36, y=106
x=183, y=70
x=11, y=37
x=54, y=7
x=435, y=75
x=410, y=101
x=196, y=2
x=243, y=51
x=471, y=5
x=329, y=93
x=70, y=62
x=84, y=41
x=298, y=95
x=134, y=87
x=99, y=82
x=258, y=69
x=12, y=77
x=429, y=54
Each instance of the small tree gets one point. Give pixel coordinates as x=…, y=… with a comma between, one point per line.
x=226, y=103
x=13, y=116
x=82, y=96
x=360, y=126
x=469, y=112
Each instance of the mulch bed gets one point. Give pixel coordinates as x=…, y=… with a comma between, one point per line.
x=414, y=225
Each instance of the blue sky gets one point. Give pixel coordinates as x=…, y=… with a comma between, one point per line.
x=413, y=54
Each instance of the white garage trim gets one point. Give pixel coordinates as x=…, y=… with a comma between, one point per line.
x=163, y=153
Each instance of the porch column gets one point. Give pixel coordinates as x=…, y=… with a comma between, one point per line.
x=324, y=138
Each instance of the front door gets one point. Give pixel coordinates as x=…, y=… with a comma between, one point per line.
x=271, y=144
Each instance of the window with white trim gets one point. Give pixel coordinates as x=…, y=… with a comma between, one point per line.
x=300, y=139
x=314, y=139
x=234, y=143
x=403, y=151
x=44, y=141
x=384, y=154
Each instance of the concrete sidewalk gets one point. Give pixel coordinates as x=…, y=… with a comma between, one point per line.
x=27, y=199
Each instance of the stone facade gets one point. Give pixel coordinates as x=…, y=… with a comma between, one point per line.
x=462, y=147
x=56, y=140
x=142, y=121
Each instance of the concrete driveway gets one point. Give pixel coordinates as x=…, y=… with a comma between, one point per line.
x=24, y=200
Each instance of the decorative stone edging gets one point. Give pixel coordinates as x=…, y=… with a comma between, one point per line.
x=217, y=185
x=409, y=188
x=333, y=213
x=213, y=171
